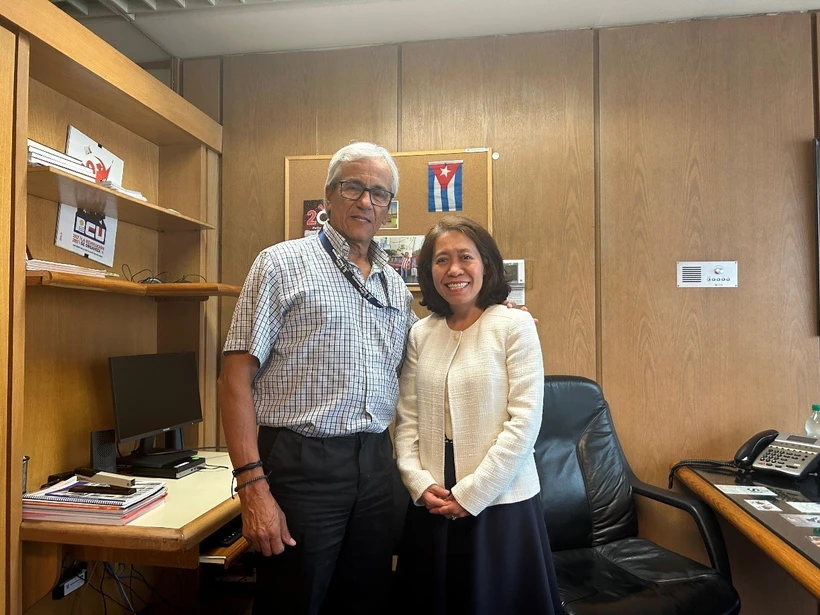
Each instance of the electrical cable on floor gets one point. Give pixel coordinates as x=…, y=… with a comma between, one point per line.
x=120, y=588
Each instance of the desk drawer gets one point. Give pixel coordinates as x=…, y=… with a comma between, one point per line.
x=224, y=556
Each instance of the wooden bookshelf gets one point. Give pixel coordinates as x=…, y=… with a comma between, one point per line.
x=55, y=185
x=181, y=290
x=56, y=73
x=69, y=58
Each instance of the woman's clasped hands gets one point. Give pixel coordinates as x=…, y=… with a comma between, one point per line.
x=439, y=501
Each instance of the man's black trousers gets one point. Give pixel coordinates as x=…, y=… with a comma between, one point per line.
x=337, y=495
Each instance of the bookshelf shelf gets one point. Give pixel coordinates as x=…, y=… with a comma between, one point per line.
x=184, y=290
x=69, y=58
x=53, y=184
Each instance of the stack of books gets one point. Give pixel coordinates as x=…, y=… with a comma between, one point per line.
x=134, y=194
x=38, y=265
x=40, y=155
x=58, y=503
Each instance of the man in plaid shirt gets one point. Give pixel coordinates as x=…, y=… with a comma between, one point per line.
x=312, y=357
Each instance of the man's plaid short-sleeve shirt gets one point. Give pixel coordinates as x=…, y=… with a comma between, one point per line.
x=329, y=360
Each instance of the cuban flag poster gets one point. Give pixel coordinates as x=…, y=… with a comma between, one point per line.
x=444, y=185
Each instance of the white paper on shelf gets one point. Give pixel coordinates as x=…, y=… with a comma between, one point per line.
x=38, y=265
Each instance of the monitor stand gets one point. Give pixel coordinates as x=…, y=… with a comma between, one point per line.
x=146, y=456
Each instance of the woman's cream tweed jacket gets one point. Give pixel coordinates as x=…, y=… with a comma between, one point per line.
x=494, y=375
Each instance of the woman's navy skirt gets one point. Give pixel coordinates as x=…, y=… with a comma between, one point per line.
x=498, y=563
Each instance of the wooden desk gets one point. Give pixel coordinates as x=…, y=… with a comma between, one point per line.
x=170, y=535
x=781, y=550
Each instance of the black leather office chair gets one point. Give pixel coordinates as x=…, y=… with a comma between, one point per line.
x=587, y=492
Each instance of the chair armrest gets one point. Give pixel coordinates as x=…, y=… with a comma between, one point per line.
x=704, y=518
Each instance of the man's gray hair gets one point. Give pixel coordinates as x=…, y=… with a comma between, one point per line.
x=358, y=151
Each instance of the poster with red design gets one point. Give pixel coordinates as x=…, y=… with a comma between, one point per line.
x=106, y=166
x=314, y=218
x=87, y=233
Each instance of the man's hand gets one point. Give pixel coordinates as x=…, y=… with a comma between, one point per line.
x=435, y=497
x=263, y=522
x=523, y=308
x=451, y=509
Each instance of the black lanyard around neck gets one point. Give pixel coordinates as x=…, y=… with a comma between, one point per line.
x=342, y=266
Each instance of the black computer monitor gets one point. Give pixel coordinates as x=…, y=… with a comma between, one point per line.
x=155, y=394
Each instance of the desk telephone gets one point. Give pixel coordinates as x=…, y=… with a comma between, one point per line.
x=788, y=454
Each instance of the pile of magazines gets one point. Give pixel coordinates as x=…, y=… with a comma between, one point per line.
x=60, y=503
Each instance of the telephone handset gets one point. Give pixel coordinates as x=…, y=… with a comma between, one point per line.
x=750, y=449
x=787, y=454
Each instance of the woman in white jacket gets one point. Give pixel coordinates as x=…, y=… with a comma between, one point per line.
x=471, y=394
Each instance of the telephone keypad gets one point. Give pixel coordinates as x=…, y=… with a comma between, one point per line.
x=789, y=459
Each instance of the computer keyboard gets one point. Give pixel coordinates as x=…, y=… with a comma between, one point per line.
x=227, y=534
x=230, y=538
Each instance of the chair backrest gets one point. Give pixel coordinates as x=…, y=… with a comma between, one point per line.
x=585, y=489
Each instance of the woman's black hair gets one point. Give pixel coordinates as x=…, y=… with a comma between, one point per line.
x=494, y=288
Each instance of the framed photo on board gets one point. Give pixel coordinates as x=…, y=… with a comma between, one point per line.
x=403, y=254
x=391, y=223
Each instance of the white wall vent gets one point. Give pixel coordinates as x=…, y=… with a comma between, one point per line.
x=707, y=274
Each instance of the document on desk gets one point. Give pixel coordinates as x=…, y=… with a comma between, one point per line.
x=764, y=505
x=803, y=520
x=741, y=490
x=805, y=507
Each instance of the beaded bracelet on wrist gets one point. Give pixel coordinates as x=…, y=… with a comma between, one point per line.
x=248, y=482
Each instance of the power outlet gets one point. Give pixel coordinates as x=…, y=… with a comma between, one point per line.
x=71, y=579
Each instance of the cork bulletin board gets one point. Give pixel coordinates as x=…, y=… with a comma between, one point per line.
x=305, y=181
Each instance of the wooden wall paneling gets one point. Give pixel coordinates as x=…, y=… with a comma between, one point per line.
x=209, y=326
x=286, y=105
x=182, y=325
x=202, y=85
x=182, y=183
x=43, y=564
x=530, y=98
x=705, y=154
x=17, y=316
x=8, y=44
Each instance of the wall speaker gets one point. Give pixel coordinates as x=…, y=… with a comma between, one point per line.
x=104, y=450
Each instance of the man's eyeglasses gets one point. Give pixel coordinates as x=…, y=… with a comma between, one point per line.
x=353, y=191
